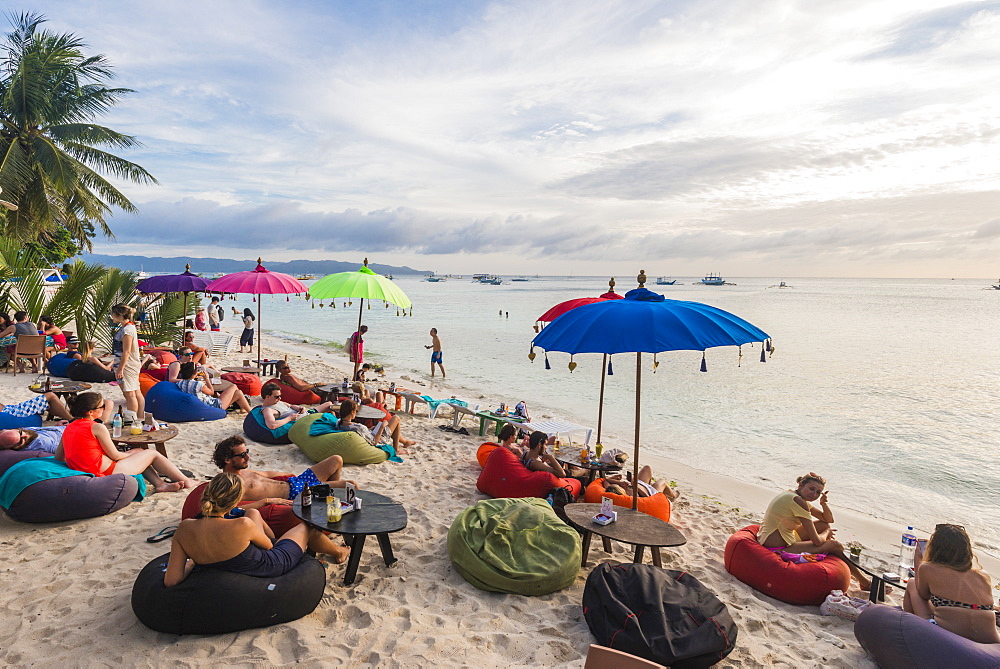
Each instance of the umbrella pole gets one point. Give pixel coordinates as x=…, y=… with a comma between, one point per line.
x=184, y=319
x=638, y=401
x=600, y=405
x=357, y=362
x=259, y=330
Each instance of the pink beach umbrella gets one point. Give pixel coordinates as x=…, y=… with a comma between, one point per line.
x=560, y=309
x=257, y=282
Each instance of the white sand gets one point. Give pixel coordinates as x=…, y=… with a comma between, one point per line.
x=66, y=587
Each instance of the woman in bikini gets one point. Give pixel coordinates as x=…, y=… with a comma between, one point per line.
x=647, y=486
x=237, y=540
x=791, y=523
x=951, y=592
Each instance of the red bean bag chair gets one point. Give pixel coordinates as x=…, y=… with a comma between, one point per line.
x=504, y=476
x=163, y=356
x=279, y=517
x=657, y=505
x=484, y=452
x=249, y=383
x=146, y=381
x=291, y=395
x=790, y=582
x=158, y=374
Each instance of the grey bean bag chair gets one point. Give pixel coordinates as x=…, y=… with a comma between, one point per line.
x=257, y=432
x=662, y=615
x=900, y=640
x=57, y=500
x=212, y=601
x=9, y=458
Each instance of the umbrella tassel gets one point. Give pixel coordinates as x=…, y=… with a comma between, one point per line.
x=397, y=311
x=767, y=344
x=611, y=371
x=656, y=363
x=369, y=305
x=572, y=365
x=763, y=354
x=333, y=304
x=531, y=354
x=547, y=365
x=313, y=305
x=704, y=365
x=739, y=360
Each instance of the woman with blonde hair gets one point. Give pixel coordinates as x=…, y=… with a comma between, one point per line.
x=226, y=537
x=952, y=592
x=127, y=359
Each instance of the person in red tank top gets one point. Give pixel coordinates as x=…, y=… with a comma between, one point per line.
x=86, y=446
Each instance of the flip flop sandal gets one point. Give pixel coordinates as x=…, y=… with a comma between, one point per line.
x=165, y=533
x=462, y=431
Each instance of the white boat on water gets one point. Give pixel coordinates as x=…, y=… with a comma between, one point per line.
x=665, y=281
x=433, y=279
x=713, y=279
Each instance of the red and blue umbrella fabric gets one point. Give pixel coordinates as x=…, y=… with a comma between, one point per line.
x=185, y=282
x=258, y=281
x=645, y=322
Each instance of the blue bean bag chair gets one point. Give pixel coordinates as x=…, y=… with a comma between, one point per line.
x=212, y=601
x=897, y=640
x=168, y=402
x=254, y=430
x=8, y=422
x=59, y=364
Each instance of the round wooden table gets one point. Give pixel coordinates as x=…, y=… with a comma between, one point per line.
x=244, y=370
x=61, y=390
x=156, y=438
x=378, y=515
x=632, y=527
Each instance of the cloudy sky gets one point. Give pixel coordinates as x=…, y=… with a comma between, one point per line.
x=767, y=138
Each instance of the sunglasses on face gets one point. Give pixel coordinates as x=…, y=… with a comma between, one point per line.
x=245, y=454
x=22, y=437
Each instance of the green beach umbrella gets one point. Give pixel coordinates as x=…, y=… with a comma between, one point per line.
x=364, y=284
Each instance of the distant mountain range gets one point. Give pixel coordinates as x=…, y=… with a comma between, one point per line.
x=227, y=265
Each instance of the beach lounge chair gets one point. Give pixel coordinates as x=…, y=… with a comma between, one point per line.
x=217, y=343
x=556, y=427
x=412, y=399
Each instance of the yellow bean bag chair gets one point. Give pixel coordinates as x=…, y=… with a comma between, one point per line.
x=349, y=445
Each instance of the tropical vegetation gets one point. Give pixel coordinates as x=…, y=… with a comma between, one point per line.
x=53, y=153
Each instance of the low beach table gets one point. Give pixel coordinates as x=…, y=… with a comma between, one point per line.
x=335, y=390
x=242, y=370
x=571, y=457
x=875, y=567
x=155, y=438
x=61, y=390
x=632, y=527
x=398, y=394
x=499, y=420
x=378, y=515
x=267, y=364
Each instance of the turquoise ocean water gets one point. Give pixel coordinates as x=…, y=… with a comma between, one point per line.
x=889, y=388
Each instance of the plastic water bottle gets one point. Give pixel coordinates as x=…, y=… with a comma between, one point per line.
x=907, y=548
x=116, y=426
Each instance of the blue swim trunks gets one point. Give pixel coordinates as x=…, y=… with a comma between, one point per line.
x=297, y=483
x=436, y=357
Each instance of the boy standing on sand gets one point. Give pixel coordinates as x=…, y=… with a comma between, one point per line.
x=436, y=355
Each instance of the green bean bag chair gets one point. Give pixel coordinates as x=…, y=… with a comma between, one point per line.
x=514, y=545
x=349, y=445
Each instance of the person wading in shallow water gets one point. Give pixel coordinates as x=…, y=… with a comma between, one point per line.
x=436, y=355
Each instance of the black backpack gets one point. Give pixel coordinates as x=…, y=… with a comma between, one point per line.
x=559, y=498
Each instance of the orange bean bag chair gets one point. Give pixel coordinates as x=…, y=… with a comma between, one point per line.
x=249, y=383
x=291, y=395
x=279, y=517
x=484, y=452
x=657, y=505
x=162, y=355
x=503, y=475
x=146, y=382
x=766, y=572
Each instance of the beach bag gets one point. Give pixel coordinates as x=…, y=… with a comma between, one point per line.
x=559, y=498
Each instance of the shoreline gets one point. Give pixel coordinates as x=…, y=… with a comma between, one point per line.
x=877, y=534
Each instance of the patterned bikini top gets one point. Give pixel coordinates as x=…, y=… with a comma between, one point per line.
x=942, y=601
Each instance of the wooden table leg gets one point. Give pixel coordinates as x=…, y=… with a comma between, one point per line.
x=482, y=426
x=383, y=542
x=607, y=545
x=355, y=559
x=655, y=552
x=638, y=554
x=161, y=447
x=587, y=534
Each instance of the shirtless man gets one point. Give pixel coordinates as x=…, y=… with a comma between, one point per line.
x=233, y=457
x=436, y=355
x=285, y=376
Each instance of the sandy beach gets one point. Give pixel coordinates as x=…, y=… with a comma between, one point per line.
x=67, y=586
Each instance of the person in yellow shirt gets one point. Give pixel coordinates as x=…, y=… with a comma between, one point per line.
x=793, y=524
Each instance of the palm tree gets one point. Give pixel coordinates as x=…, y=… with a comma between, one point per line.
x=50, y=148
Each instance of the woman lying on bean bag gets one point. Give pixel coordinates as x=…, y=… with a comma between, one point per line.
x=657, y=503
x=90, y=368
x=238, y=543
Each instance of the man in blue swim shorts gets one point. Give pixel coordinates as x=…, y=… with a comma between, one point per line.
x=233, y=457
x=436, y=356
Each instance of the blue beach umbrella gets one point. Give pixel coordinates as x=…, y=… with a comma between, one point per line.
x=645, y=322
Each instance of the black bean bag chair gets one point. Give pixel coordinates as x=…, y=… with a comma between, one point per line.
x=254, y=430
x=661, y=615
x=212, y=601
x=9, y=458
x=89, y=373
x=896, y=639
x=57, y=500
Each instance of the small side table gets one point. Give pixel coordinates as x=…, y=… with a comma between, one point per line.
x=62, y=390
x=267, y=365
x=632, y=527
x=156, y=438
x=243, y=370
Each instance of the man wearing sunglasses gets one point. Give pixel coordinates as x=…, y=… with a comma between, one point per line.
x=40, y=438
